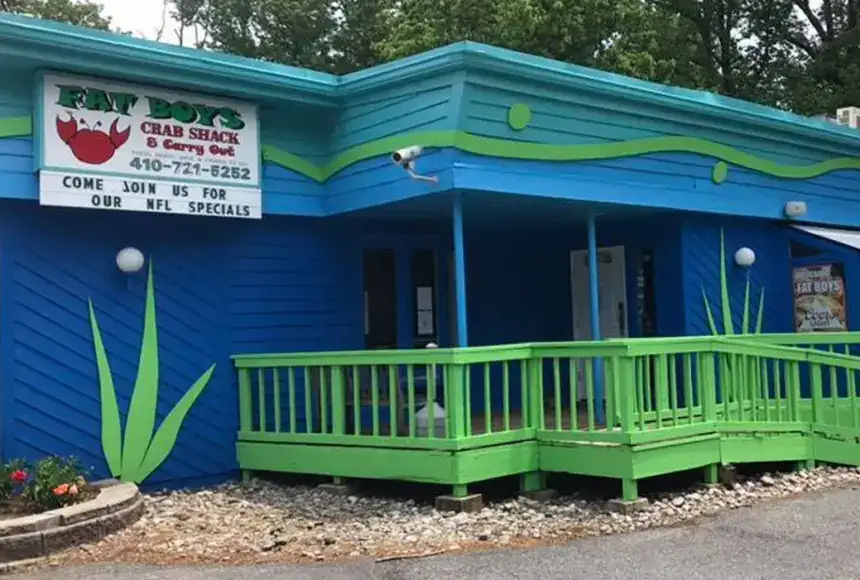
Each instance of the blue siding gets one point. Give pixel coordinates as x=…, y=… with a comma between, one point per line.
x=422, y=106
x=771, y=271
x=295, y=285
x=429, y=105
x=579, y=115
x=678, y=181
x=283, y=284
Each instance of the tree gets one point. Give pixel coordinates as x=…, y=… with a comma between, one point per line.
x=80, y=12
x=294, y=32
x=361, y=27
x=626, y=36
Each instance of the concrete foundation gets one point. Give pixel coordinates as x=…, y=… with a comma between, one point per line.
x=621, y=506
x=468, y=503
x=336, y=488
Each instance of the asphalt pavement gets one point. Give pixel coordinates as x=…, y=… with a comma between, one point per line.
x=815, y=538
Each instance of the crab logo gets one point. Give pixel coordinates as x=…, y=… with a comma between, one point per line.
x=92, y=146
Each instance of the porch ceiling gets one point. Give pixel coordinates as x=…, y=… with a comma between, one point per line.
x=500, y=209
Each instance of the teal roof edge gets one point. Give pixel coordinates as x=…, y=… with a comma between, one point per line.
x=107, y=54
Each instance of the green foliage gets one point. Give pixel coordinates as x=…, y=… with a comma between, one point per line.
x=54, y=482
x=80, y=12
x=140, y=452
x=725, y=303
x=9, y=484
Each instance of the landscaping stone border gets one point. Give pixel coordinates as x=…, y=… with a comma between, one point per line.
x=28, y=538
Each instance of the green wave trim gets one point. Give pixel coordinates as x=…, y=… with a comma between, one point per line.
x=525, y=151
x=16, y=127
x=492, y=147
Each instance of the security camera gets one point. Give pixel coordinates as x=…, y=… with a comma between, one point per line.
x=405, y=158
x=402, y=156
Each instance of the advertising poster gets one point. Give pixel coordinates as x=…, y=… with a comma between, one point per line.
x=819, y=298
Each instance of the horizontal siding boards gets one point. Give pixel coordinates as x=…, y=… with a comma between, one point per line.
x=19, y=181
x=300, y=130
x=303, y=131
x=379, y=181
x=295, y=285
x=577, y=116
x=16, y=95
x=421, y=106
x=51, y=398
x=671, y=181
x=772, y=271
x=238, y=287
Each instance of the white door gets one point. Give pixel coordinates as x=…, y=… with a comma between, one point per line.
x=612, y=296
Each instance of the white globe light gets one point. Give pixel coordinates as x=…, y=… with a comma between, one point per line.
x=744, y=257
x=129, y=260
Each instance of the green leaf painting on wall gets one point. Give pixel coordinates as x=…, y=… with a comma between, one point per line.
x=725, y=303
x=138, y=454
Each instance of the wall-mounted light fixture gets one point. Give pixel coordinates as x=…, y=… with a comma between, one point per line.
x=794, y=209
x=744, y=257
x=129, y=260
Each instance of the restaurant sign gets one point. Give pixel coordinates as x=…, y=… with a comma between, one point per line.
x=106, y=145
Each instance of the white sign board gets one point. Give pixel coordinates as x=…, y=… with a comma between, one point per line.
x=106, y=192
x=101, y=141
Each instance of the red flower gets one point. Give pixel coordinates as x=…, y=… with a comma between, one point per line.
x=61, y=489
x=18, y=476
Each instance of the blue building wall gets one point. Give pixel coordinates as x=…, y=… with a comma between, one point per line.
x=771, y=271
x=285, y=284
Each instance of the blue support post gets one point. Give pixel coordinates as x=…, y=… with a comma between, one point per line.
x=460, y=273
x=594, y=301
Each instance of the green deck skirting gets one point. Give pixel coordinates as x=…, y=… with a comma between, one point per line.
x=523, y=150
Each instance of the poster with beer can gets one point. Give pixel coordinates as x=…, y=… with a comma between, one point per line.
x=819, y=298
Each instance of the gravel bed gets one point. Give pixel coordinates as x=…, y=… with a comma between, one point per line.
x=264, y=522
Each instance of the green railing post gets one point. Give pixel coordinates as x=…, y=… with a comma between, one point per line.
x=708, y=386
x=537, y=416
x=338, y=401
x=245, y=423
x=817, y=393
x=455, y=400
x=624, y=383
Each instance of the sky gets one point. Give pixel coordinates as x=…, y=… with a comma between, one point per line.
x=143, y=18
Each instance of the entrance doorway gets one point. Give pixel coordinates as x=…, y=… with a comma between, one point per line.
x=612, y=299
x=388, y=277
x=611, y=291
x=380, y=299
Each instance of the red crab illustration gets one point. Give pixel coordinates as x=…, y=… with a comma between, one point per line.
x=93, y=146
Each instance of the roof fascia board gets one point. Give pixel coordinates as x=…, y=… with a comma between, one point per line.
x=436, y=62
x=632, y=90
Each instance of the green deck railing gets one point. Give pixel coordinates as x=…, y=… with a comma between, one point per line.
x=654, y=390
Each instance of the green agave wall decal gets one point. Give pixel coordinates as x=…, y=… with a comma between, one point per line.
x=725, y=304
x=136, y=455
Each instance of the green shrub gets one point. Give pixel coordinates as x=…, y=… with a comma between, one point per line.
x=54, y=482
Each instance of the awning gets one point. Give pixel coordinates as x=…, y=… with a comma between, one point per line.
x=849, y=238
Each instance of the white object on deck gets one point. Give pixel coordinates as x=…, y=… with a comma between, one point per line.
x=422, y=420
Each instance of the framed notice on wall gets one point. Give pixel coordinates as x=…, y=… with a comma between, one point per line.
x=819, y=298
